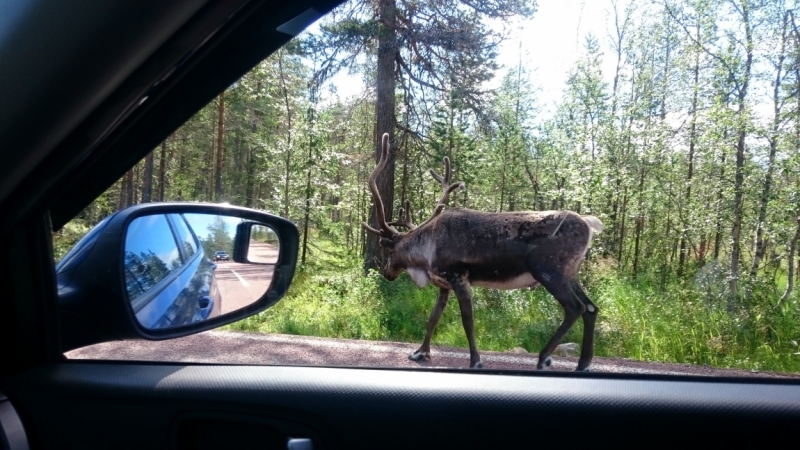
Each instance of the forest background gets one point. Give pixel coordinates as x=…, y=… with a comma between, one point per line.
x=679, y=128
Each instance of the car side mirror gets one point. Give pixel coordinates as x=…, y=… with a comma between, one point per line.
x=164, y=270
x=255, y=244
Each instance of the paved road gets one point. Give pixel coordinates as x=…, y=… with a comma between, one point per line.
x=262, y=252
x=241, y=284
x=229, y=347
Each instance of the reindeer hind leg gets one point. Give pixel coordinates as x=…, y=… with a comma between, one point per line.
x=559, y=287
x=589, y=319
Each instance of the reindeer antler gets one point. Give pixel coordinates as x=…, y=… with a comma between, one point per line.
x=404, y=217
x=447, y=188
x=386, y=230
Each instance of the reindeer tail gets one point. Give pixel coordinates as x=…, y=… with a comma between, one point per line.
x=594, y=223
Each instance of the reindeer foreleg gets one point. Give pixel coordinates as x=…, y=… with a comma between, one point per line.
x=462, y=289
x=424, y=352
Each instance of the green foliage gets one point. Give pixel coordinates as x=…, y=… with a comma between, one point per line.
x=218, y=238
x=66, y=237
x=639, y=320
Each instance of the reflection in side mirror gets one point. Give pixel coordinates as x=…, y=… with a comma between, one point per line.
x=178, y=267
x=264, y=246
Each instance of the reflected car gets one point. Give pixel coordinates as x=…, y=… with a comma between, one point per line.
x=168, y=277
x=221, y=255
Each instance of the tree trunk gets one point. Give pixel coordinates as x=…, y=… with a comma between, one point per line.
x=503, y=177
x=738, y=189
x=760, y=246
x=623, y=210
x=136, y=176
x=162, y=171
x=793, y=250
x=288, y=155
x=790, y=274
x=123, y=189
x=404, y=178
x=309, y=165
x=220, y=135
x=639, y=224
x=249, y=190
x=720, y=197
x=208, y=186
x=534, y=184
x=147, y=182
x=307, y=212
x=129, y=187
x=639, y=228
x=336, y=214
x=666, y=267
x=692, y=139
x=374, y=256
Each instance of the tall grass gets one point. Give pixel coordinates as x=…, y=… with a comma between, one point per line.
x=681, y=321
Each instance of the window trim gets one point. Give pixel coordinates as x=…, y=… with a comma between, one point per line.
x=179, y=239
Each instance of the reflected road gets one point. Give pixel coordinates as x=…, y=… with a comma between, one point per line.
x=261, y=252
x=241, y=284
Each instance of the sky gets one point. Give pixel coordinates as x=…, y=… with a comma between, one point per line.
x=548, y=45
x=201, y=222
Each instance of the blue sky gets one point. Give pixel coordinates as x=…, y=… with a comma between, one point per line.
x=200, y=223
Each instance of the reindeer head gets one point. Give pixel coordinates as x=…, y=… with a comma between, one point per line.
x=391, y=239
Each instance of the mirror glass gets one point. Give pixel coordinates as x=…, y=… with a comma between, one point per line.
x=264, y=246
x=179, y=268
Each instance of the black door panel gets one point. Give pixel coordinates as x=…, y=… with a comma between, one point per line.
x=127, y=405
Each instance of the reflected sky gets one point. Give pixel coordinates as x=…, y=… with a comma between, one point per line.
x=152, y=234
x=201, y=222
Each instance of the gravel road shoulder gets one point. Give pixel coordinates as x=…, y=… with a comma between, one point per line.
x=230, y=347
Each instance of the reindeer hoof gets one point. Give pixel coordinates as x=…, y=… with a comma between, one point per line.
x=420, y=356
x=546, y=366
x=585, y=369
x=477, y=365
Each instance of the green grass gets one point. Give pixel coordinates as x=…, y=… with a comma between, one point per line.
x=680, y=323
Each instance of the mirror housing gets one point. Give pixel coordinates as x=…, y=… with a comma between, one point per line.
x=94, y=305
x=242, y=241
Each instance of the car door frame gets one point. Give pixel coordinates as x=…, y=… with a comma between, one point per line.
x=36, y=376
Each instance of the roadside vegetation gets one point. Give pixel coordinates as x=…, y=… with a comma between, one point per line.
x=685, y=321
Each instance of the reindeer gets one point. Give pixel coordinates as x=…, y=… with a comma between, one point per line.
x=458, y=248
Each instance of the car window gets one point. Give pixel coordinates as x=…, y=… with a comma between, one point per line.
x=184, y=235
x=151, y=253
x=630, y=168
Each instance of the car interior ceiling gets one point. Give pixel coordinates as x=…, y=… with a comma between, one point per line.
x=147, y=103
x=168, y=59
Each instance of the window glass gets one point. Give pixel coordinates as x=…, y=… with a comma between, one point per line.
x=150, y=253
x=184, y=235
x=615, y=124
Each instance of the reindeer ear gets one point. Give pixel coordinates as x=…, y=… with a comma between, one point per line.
x=388, y=243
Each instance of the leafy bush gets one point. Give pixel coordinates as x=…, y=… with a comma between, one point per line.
x=683, y=323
